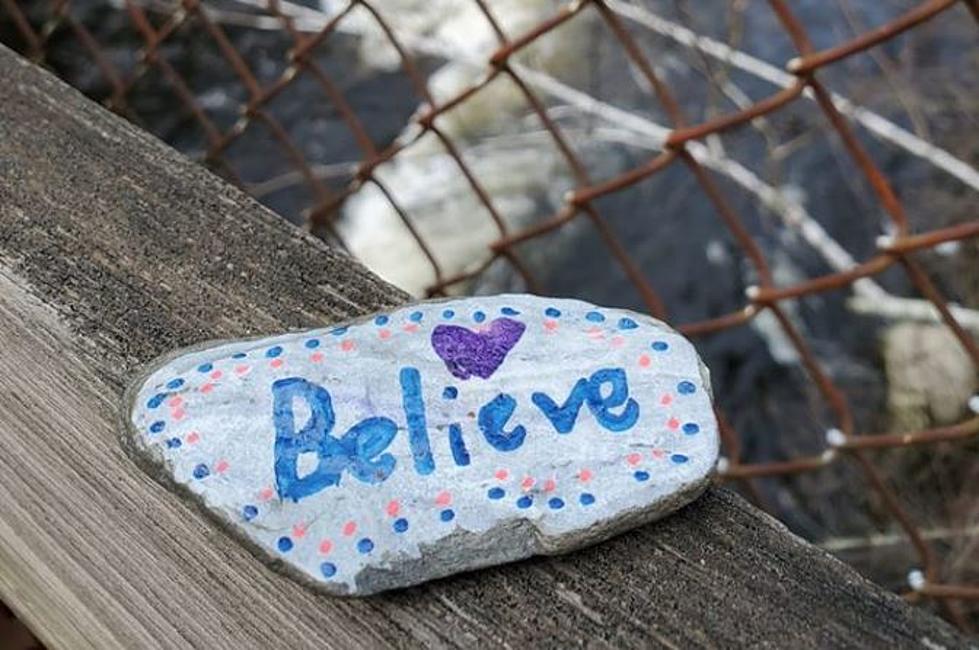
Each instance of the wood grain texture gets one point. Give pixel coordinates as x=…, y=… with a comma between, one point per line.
x=115, y=249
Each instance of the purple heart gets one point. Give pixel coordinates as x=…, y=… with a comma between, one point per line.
x=467, y=353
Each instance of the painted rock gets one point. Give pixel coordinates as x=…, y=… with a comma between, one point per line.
x=434, y=438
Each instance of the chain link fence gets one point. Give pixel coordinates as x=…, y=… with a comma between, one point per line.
x=154, y=25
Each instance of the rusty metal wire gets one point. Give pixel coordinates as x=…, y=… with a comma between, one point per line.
x=843, y=442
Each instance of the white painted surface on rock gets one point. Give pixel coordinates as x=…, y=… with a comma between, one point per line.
x=434, y=438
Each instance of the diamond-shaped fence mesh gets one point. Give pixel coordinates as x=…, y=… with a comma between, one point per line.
x=159, y=47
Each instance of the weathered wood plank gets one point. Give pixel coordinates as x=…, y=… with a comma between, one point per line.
x=114, y=249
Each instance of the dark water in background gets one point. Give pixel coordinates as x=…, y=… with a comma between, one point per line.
x=666, y=221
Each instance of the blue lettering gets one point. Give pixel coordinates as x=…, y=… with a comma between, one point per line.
x=619, y=395
x=355, y=451
x=361, y=450
x=562, y=417
x=459, y=452
x=364, y=441
x=414, y=407
x=493, y=417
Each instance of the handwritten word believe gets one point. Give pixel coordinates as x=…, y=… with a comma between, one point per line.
x=361, y=450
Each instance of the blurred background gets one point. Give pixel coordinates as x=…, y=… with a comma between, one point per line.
x=811, y=224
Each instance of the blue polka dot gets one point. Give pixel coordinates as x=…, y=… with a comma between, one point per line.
x=173, y=443
x=496, y=493
x=205, y=367
x=627, y=324
x=249, y=512
x=447, y=515
x=509, y=311
x=551, y=312
x=400, y=525
x=660, y=346
x=686, y=388
x=691, y=428
x=586, y=498
x=450, y=392
x=312, y=344
x=479, y=317
x=555, y=503
x=284, y=544
x=416, y=316
x=156, y=400
x=594, y=317
x=201, y=471
x=365, y=545
x=157, y=426
x=679, y=459
x=448, y=313
x=381, y=320
x=641, y=475
x=338, y=331
x=328, y=569
x=273, y=351
x=239, y=355
x=174, y=384
x=524, y=502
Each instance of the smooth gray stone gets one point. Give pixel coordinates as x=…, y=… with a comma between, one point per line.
x=433, y=439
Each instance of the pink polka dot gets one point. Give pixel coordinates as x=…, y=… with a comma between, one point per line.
x=207, y=388
x=410, y=327
x=666, y=399
x=193, y=437
x=527, y=483
x=633, y=459
x=326, y=546
x=617, y=341
x=658, y=453
x=347, y=345
x=350, y=528
x=393, y=507
x=673, y=423
x=550, y=325
x=443, y=498
x=549, y=485
x=221, y=466
x=595, y=333
x=266, y=494
x=299, y=530
x=584, y=475
x=178, y=414
x=316, y=357
x=501, y=474
x=217, y=374
x=242, y=370
x=276, y=363
x=175, y=401
x=385, y=334
x=644, y=360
